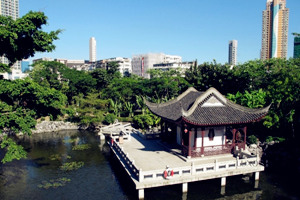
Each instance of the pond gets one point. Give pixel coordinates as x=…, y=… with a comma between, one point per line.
x=40, y=176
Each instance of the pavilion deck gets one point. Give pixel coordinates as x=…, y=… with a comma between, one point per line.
x=146, y=160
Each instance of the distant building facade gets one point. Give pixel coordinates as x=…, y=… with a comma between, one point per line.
x=180, y=66
x=80, y=65
x=275, y=30
x=124, y=64
x=10, y=8
x=232, y=57
x=92, y=49
x=144, y=62
x=297, y=47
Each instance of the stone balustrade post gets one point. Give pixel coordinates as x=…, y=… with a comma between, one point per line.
x=192, y=168
x=141, y=178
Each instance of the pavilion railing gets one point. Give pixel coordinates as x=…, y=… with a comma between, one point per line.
x=206, y=151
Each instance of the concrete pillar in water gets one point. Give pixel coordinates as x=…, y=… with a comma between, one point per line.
x=223, y=181
x=256, y=176
x=222, y=190
x=141, y=194
x=102, y=137
x=184, y=187
x=184, y=196
x=256, y=183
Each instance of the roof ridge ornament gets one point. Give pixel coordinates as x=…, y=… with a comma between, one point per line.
x=202, y=97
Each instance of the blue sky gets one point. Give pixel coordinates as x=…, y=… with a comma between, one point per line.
x=193, y=29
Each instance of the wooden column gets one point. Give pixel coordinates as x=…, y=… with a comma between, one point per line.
x=190, y=142
x=233, y=137
x=245, y=136
x=202, y=146
x=166, y=127
x=195, y=138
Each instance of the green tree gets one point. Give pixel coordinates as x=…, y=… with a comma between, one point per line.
x=280, y=79
x=48, y=74
x=22, y=38
x=222, y=77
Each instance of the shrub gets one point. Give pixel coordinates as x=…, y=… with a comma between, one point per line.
x=269, y=139
x=279, y=139
x=124, y=119
x=143, y=121
x=252, y=139
x=109, y=118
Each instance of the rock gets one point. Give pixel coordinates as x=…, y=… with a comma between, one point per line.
x=52, y=126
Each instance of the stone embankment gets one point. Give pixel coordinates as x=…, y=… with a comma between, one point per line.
x=52, y=126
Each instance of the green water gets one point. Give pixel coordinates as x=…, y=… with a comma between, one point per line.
x=101, y=177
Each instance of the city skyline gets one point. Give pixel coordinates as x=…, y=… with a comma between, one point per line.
x=192, y=29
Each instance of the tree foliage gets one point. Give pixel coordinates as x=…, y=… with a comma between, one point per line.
x=13, y=151
x=23, y=37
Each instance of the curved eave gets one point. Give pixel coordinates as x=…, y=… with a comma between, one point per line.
x=164, y=118
x=221, y=124
x=190, y=89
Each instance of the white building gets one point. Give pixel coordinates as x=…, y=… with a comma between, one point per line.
x=11, y=8
x=144, y=62
x=92, y=49
x=232, y=57
x=124, y=64
x=80, y=65
x=42, y=59
x=180, y=66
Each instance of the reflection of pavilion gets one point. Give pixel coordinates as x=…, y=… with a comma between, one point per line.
x=205, y=123
x=207, y=127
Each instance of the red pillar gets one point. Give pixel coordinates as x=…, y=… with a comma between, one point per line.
x=245, y=136
x=195, y=138
x=190, y=150
x=233, y=137
x=202, y=146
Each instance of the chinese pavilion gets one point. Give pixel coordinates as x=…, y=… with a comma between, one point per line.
x=205, y=123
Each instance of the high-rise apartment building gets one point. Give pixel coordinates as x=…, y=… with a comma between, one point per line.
x=297, y=46
x=275, y=30
x=10, y=8
x=232, y=57
x=92, y=49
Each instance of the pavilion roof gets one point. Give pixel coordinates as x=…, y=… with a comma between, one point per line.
x=206, y=109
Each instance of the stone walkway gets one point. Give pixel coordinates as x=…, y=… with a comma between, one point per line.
x=151, y=155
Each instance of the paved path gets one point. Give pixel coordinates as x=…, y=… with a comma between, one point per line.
x=153, y=155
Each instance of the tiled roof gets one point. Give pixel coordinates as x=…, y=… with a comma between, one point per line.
x=206, y=108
